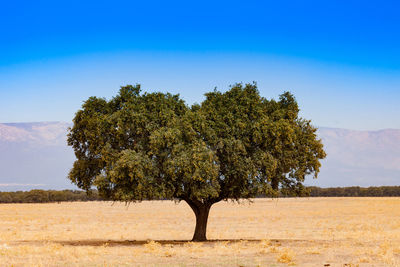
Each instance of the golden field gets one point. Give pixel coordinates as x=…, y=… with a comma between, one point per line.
x=278, y=232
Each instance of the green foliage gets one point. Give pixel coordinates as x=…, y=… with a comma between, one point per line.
x=234, y=145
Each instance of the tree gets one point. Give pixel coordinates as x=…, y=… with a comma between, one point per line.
x=234, y=145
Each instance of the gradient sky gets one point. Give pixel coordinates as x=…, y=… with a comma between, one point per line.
x=341, y=59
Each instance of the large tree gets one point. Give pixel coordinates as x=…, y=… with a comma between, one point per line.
x=234, y=145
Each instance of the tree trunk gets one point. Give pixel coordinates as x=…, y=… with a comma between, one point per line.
x=201, y=211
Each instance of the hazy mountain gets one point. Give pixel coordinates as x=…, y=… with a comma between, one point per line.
x=35, y=155
x=362, y=158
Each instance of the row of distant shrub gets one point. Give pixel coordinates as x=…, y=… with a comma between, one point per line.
x=355, y=191
x=45, y=196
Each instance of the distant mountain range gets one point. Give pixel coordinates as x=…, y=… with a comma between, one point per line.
x=363, y=158
x=36, y=155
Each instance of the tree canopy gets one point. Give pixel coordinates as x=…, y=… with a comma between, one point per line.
x=235, y=144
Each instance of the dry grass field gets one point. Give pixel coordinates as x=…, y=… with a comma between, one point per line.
x=280, y=232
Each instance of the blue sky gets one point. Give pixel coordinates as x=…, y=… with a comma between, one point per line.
x=341, y=59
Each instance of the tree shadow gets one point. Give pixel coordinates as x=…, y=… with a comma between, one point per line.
x=143, y=242
x=115, y=243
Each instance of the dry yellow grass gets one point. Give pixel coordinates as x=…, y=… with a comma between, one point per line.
x=301, y=232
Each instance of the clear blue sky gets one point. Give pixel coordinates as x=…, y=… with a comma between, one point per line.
x=341, y=59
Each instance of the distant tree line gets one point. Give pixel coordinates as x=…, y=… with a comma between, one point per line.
x=47, y=196
x=355, y=191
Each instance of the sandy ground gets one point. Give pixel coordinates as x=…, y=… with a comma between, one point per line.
x=279, y=232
